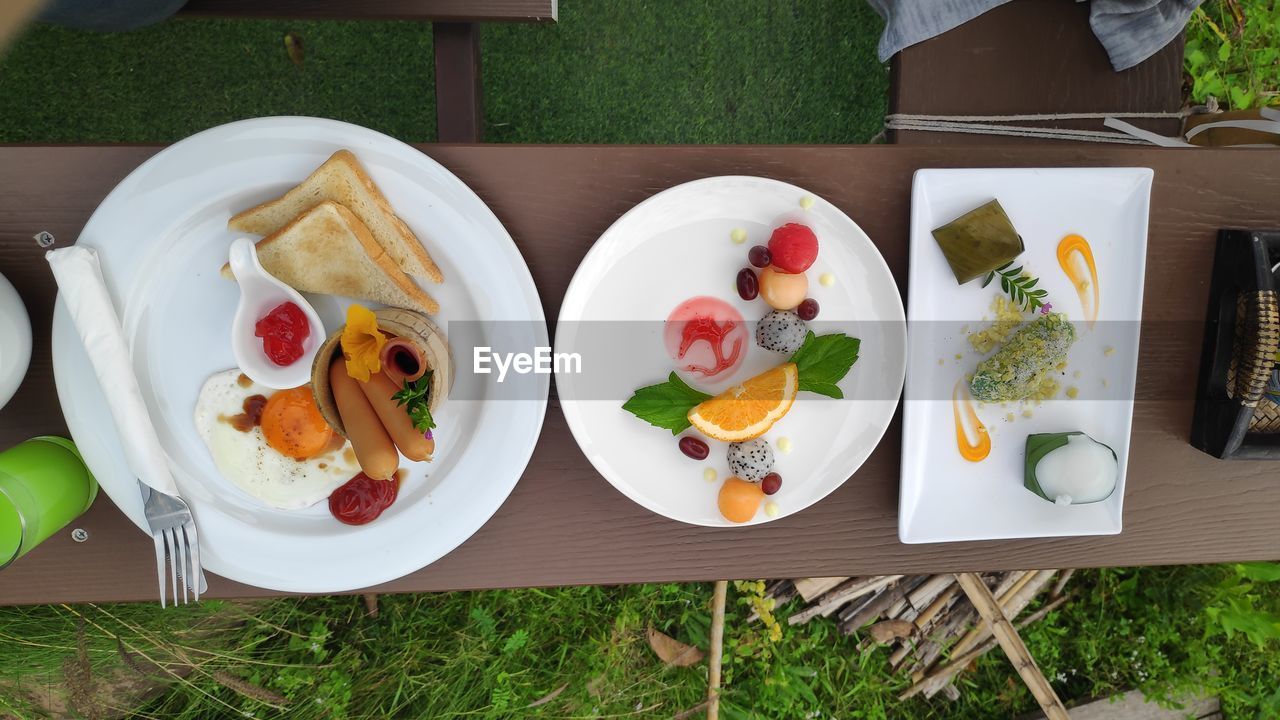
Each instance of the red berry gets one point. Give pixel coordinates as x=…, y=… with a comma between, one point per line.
x=759, y=256
x=694, y=448
x=808, y=309
x=771, y=483
x=748, y=284
x=794, y=247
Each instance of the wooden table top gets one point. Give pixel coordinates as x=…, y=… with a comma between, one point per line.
x=1029, y=57
x=565, y=525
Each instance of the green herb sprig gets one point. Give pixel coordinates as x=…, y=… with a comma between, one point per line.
x=1020, y=288
x=415, y=398
x=823, y=360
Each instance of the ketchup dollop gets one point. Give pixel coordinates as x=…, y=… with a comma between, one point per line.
x=284, y=330
x=362, y=499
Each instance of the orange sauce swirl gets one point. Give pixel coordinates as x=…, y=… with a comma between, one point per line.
x=962, y=409
x=1086, y=287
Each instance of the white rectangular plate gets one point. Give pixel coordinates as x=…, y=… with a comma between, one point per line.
x=944, y=497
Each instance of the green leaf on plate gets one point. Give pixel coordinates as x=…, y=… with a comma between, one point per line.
x=824, y=360
x=665, y=405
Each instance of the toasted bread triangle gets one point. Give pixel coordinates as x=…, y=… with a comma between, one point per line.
x=343, y=180
x=328, y=250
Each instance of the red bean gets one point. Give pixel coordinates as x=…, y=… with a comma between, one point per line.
x=748, y=284
x=694, y=448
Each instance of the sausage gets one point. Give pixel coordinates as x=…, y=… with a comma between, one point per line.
x=395, y=418
x=370, y=441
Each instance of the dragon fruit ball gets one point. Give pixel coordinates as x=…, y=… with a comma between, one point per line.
x=781, y=331
x=751, y=460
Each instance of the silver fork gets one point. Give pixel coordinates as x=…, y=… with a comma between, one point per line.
x=174, y=532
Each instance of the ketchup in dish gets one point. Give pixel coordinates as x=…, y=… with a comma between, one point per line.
x=284, y=331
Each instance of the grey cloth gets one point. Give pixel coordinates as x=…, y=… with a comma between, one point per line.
x=1130, y=30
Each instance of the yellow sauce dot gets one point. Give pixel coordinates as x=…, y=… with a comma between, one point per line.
x=771, y=509
x=959, y=356
x=826, y=279
x=1027, y=413
x=1073, y=392
x=1008, y=417
x=806, y=202
x=1108, y=351
x=784, y=445
x=1076, y=374
x=710, y=475
x=738, y=236
x=941, y=361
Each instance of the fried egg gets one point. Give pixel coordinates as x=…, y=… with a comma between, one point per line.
x=272, y=444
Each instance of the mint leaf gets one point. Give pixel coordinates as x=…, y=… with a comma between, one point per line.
x=415, y=398
x=824, y=360
x=665, y=405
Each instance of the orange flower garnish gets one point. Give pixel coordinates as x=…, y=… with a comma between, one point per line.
x=362, y=343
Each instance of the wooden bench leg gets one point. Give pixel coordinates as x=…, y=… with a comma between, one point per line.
x=459, y=95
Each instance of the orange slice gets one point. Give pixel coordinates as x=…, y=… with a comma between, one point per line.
x=748, y=410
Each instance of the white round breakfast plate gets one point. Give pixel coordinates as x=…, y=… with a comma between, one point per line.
x=162, y=237
x=677, y=245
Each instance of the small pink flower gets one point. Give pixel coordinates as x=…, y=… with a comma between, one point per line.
x=1044, y=309
x=428, y=435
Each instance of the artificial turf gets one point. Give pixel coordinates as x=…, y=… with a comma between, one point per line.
x=626, y=71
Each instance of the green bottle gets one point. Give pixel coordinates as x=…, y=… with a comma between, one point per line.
x=44, y=485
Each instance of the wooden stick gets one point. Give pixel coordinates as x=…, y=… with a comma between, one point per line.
x=923, y=595
x=1017, y=586
x=813, y=588
x=925, y=623
x=1012, y=603
x=1008, y=581
x=956, y=622
x=934, y=681
x=833, y=600
x=943, y=599
x=982, y=599
x=878, y=604
x=717, y=649
x=1061, y=585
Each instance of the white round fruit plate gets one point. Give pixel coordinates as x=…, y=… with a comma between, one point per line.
x=162, y=237
x=679, y=244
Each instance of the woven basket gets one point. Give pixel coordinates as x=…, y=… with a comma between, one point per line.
x=1257, y=339
x=394, y=321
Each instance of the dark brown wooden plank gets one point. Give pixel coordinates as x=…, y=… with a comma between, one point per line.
x=459, y=90
x=565, y=525
x=443, y=10
x=1028, y=56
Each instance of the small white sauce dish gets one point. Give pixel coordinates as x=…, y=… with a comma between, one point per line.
x=260, y=293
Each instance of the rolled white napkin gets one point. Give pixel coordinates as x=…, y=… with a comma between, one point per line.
x=80, y=283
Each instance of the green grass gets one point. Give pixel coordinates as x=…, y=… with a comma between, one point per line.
x=493, y=654
x=1233, y=53
x=628, y=71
